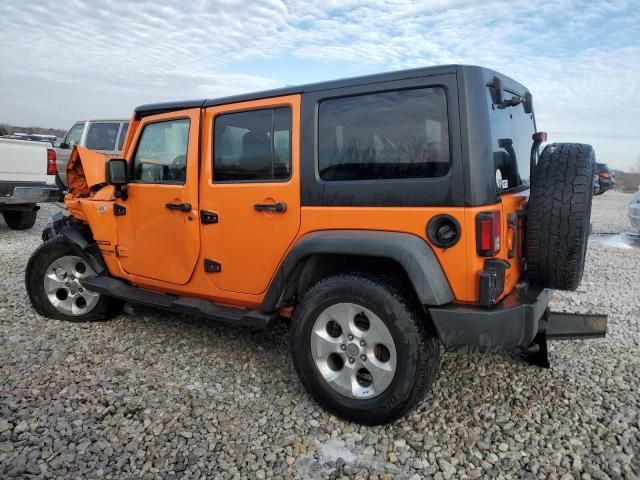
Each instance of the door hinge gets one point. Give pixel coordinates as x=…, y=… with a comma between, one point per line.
x=119, y=210
x=211, y=266
x=207, y=217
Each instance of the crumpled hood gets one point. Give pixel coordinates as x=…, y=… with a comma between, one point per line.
x=85, y=170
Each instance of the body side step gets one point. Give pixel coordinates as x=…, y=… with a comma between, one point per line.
x=198, y=307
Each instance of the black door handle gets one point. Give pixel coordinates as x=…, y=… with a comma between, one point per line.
x=179, y=207
x=279, y=207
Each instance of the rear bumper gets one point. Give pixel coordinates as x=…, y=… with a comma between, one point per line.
x=511, y=324
x=13, y=193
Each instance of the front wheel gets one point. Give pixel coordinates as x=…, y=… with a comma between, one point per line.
x=362, y=348
x=53, y=281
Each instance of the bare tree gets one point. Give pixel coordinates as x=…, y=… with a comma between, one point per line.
x=635, y=166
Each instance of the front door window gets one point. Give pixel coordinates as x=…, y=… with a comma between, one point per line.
x=161, y=156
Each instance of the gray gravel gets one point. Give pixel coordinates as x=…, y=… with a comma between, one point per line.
x=157, y=395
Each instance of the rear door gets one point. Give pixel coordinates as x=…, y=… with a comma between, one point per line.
x=251, y=184
x=158, y=235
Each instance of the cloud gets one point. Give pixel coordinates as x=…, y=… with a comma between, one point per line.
x=73, y=58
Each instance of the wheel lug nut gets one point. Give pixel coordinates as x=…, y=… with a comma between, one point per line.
x=363, y=358
x=80, y=289
x=350, y=337
x=66, y=284
x=343, y=347
x=363, y=343
x=351, y=360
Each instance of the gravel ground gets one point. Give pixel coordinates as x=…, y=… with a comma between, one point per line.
x=157, y=395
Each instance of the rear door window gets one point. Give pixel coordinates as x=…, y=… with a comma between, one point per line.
x=253, y=146
x=102, y=136
x=386, y=135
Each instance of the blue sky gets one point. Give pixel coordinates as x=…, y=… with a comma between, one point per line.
x=72, y=59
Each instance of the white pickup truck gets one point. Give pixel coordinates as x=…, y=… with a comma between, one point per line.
x=27, y=177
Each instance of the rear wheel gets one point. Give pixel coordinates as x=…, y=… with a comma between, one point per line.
x=53, y=280
x=558, y=222
x=362, y=349
x=20, y=219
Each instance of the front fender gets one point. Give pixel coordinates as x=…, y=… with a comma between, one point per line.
x=78, y=236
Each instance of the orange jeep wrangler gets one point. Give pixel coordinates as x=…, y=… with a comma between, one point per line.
x=386, y=216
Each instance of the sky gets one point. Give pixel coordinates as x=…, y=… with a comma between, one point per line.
x=67, y=60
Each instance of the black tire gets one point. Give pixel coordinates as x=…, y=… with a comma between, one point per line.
x=417, y=348
x=35, y=273
x=20, y=219
x=558, y=223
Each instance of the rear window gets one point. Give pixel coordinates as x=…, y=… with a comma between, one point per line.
x=386, y=135
x=102, y=136
x=511, y=131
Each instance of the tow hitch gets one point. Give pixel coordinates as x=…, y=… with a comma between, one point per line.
x=563, y=326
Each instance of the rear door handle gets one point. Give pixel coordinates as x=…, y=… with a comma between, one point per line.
x=179, y=207
x=279, y=207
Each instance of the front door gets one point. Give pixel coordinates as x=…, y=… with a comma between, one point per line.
x=158, y=236
x=251, y=182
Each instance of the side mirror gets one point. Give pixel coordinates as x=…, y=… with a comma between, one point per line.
x=116, y=175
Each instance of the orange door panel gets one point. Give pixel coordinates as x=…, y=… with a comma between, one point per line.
x=159, y=237
x=257, y=218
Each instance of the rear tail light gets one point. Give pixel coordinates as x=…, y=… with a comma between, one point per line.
x=488, y=233
x=51, y=162
x=605, y=175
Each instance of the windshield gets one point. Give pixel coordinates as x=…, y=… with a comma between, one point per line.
x=511, y=131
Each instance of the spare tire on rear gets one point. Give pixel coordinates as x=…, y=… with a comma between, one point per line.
x=559, y=215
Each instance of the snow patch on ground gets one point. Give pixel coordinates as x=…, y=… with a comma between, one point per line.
x=620, y=240
x=335, y=449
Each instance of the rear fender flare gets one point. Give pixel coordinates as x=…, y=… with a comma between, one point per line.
x=411, y=252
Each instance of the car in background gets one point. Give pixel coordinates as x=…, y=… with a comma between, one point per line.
x=606, y=178
x=27, y=178
x=104, y=136
x=32, y=137
x=596, y=184
x=634, y=211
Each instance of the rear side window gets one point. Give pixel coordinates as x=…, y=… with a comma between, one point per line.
x=102, y=136
x=252, y=146
x=387, y=135
x=161, y=155
x=511, y=131
x=123, y=135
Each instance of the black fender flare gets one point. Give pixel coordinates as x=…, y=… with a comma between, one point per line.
x=78, y=236
x=411, y=252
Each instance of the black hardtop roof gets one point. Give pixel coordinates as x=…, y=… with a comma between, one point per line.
x=155, y=108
